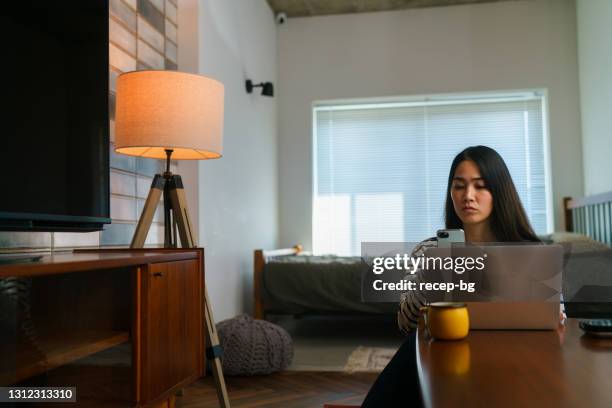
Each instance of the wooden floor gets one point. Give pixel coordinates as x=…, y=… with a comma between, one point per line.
x=290, y=389
x=104, y=381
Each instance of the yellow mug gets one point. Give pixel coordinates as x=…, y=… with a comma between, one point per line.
x=446, y=320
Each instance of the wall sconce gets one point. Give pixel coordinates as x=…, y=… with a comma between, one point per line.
x=267, y=88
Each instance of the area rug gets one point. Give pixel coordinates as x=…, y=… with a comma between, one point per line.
x=325, y=343
x=368, y=359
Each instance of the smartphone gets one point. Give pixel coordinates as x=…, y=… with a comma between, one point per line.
x=447, y=237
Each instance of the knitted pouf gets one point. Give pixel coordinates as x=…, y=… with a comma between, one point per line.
x=252, y=347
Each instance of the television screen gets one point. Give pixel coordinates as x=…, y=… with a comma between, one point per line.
x=55, y=124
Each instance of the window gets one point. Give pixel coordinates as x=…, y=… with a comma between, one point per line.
x=380, y=169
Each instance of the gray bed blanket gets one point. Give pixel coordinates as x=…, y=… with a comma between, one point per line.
x=317, y=284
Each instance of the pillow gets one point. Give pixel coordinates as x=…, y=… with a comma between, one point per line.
x=574, y=242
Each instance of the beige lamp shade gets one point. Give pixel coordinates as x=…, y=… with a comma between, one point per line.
x=159, y=110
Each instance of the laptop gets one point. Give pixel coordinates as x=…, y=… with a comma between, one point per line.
x=522, y=286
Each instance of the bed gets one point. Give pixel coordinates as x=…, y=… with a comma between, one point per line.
x=288, y=281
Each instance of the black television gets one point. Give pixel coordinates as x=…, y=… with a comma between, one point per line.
x=54, y=117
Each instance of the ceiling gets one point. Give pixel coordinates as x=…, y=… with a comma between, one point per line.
x=308, y=8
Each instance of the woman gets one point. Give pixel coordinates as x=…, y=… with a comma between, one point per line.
x=480, y=199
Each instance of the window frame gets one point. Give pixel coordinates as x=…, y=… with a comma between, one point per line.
x=433, y=100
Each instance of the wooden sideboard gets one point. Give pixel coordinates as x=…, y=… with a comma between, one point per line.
x=67, y=307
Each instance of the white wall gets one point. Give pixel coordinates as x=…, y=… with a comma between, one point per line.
x=494, y=46
x=188, y=62
x=595, y=64
x=237, y=197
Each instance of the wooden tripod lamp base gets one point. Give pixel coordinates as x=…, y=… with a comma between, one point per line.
x=170, y=186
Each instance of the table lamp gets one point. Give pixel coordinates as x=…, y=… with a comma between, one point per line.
x=168, y=115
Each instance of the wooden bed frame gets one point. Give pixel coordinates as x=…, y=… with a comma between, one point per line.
x=591, y=216
x=259, y=261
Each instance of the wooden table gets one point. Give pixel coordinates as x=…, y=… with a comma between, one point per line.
x=562, y=368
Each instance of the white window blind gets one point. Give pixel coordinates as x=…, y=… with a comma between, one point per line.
x=380, y=169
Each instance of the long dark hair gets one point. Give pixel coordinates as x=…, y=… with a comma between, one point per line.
x=508, y=219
